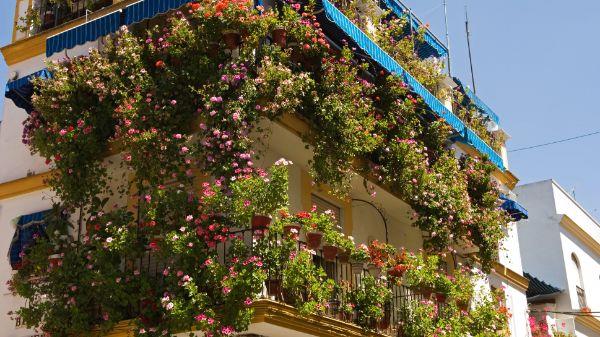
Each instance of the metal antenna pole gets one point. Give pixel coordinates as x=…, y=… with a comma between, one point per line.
x=469, y=47
x=447, y=37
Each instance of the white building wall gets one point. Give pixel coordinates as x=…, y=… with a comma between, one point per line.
x=547, y=248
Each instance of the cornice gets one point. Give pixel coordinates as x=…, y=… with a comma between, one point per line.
x=285, y=316
x=516, y=279
x=589, y=321
x=572, y=227
x=24, y=185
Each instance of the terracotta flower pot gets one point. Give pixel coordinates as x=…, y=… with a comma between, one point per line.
x=55, y=260
x=274, y=288
x=329, y=252
x=314, y=239
x=426, y=292
x=374, y=270
x=232, y=39
x=280, y=37
x=440, y=298
x=343, y=256
x=213, y=49
x=357, y=267
x=291, y=229
x=260, y=222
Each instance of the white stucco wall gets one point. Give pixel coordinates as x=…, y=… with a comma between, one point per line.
x=551, y=260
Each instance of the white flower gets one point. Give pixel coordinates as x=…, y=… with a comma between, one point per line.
x=283, y=162
x=109, y=239
x=170, y=305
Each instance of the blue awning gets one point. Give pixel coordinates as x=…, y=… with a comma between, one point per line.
x=147, y=9
x=28, y=227
x=21, y=90
x=514, y=209
x=481, y=106
x=432, y=46
x=110, y=23
x=87, y=32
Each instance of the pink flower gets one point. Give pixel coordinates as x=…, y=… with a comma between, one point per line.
x=248, y=301
x=226, y=290
x=227, y=330
x=189, y=218
x=184, y=150
x=62, y=132
x=105, y=316
x=177, y=136
x=200, y=317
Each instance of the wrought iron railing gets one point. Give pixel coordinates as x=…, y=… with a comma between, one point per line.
x=338, y=270
x=55, y=14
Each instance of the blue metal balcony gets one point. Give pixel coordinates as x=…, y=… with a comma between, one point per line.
x=388, y=63
x=432, y=46
x=481, y=106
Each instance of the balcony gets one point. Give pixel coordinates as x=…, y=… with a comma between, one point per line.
x=346, y=276
x=53, y=14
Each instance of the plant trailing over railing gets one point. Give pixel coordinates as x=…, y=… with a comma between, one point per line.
x=174, y=102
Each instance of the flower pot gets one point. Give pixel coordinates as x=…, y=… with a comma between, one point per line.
x=274, y=288
x=260, y=222
x=357, y=267
x=232, y=39
x=374, y=270
x=330, y=252
x=213, y=49
x=425, y=291
x=343, y=256
x=280, y=36
x=334, y=307
x=48, y=19
x=296, y=55
x=314, y=239
x=293, y=229
x=440, y=298
x=55, y=260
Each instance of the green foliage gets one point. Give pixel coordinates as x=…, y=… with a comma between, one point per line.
x=306, y=284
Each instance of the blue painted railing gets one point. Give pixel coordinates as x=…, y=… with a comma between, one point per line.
x=482, y=106
x=401, y=10
x=388, y=63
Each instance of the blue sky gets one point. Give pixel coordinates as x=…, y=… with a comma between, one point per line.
x=534, y=65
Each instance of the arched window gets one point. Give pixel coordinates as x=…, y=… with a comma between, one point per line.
x=579, y=285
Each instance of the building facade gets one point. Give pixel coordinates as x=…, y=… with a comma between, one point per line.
x=70, y=31
x=567, y=257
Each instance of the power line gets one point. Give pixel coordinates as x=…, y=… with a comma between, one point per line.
x=556, y=141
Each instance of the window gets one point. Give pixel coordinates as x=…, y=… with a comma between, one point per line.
x=323, y=205
x=29, y=227
x=579, y=285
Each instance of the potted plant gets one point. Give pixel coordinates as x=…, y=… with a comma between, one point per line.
x=422, y=274
x=257, y=197
x=359, y=257
x=306, y=285
x=279, y=35
x=379, y=253
x=333, y=239
x=369, y=300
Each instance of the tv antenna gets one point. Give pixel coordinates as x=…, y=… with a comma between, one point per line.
x=469, y=48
